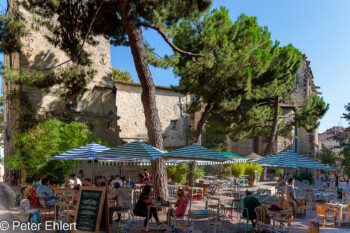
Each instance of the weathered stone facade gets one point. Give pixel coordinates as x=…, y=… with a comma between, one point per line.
x=175, y=123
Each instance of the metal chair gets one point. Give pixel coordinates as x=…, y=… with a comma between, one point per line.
x=43, y=205
x=245, y=226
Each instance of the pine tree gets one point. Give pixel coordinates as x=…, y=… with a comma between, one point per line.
x=234, y=55
x=121, y=21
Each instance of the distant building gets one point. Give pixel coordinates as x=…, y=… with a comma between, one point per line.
x=327, y=138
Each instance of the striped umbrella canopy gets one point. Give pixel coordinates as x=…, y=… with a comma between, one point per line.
x=133, y=152
x=128, y=163
x=291, y=159
x=86, y=152
x=195, y=152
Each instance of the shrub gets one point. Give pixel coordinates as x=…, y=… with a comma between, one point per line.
x=178, y=173
x=238, y=169
x=250, y=169
x=279, y=172
x=305, y=176
x=198, y=173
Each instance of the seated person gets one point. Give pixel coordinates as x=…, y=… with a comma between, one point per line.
x=66, y=182
x=44, y=191
x=74, y=181
x=143, y=206
x=142, y=178
x=123, y=201
x=169, y=179
x=280, y=180
x=181, y=205
x=250, y=203
x=109, y=190
x=37, y=183
x=87, y=182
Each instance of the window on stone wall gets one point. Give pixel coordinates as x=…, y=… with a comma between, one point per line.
x=173, y=124
x=91, y=126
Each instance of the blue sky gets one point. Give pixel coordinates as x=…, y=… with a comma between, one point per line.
x=319, y=28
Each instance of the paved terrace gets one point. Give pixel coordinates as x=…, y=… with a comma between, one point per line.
x=10, y=213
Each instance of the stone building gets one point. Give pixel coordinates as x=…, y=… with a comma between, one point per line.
x=175, y=123
x=326, y=138
x=112, y=110
x=299, y=140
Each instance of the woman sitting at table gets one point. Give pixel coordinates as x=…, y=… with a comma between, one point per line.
x=181, y=205
x=143, y=206
x=250, y=203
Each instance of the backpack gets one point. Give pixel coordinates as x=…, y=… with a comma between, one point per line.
x=34, y=217
x=24, y=205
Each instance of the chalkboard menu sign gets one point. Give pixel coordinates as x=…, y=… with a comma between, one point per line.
x=91, y=204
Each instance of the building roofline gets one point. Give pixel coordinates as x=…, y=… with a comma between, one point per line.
x=138, y=84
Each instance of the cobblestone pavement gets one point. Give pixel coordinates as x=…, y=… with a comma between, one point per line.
x=9, y=214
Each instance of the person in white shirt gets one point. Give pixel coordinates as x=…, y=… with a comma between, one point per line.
x=116, y=180
x=74, y=181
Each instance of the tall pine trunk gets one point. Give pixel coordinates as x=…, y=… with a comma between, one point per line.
x=201, y=122
x=272, y=137
x=198, y=138
x=148, y=98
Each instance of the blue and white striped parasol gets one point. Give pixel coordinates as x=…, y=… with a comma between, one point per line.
x=82, y=153
x=136, y=151
x=292, y=160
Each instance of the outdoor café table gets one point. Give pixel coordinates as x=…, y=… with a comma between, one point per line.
x=219, y=198
x=201, y=214
x=167, y=205
x=65, y=206
x=340, y=208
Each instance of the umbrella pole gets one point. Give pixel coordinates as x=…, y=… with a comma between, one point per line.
x=74, y=167
x=192, y=185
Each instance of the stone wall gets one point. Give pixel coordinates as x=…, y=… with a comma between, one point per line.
x=170, y=106
x=94, y=104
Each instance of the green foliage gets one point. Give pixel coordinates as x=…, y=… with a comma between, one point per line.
x=305, y=176
x=234, y=54
x=344, y=143
x=250, y=169
x=1, y=120
x=255, y=115
x=278, y=172
x=327, y=157
x=12, y=30
x=198, y=173
x=68, y=32
x=212, y=140
x=313, y=109
x=70, y=80
x=178, y=173
x=43, y=141
x=238, y=169
x=124, y=76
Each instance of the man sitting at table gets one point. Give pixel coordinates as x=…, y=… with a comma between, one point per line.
x=74, y=181
x=123, y=201
x=87, y=182
x=250, y=203
x=117, y=180
x=44, y=191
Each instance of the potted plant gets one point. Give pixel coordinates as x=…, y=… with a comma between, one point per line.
x=278, y=172
x=250, y=171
